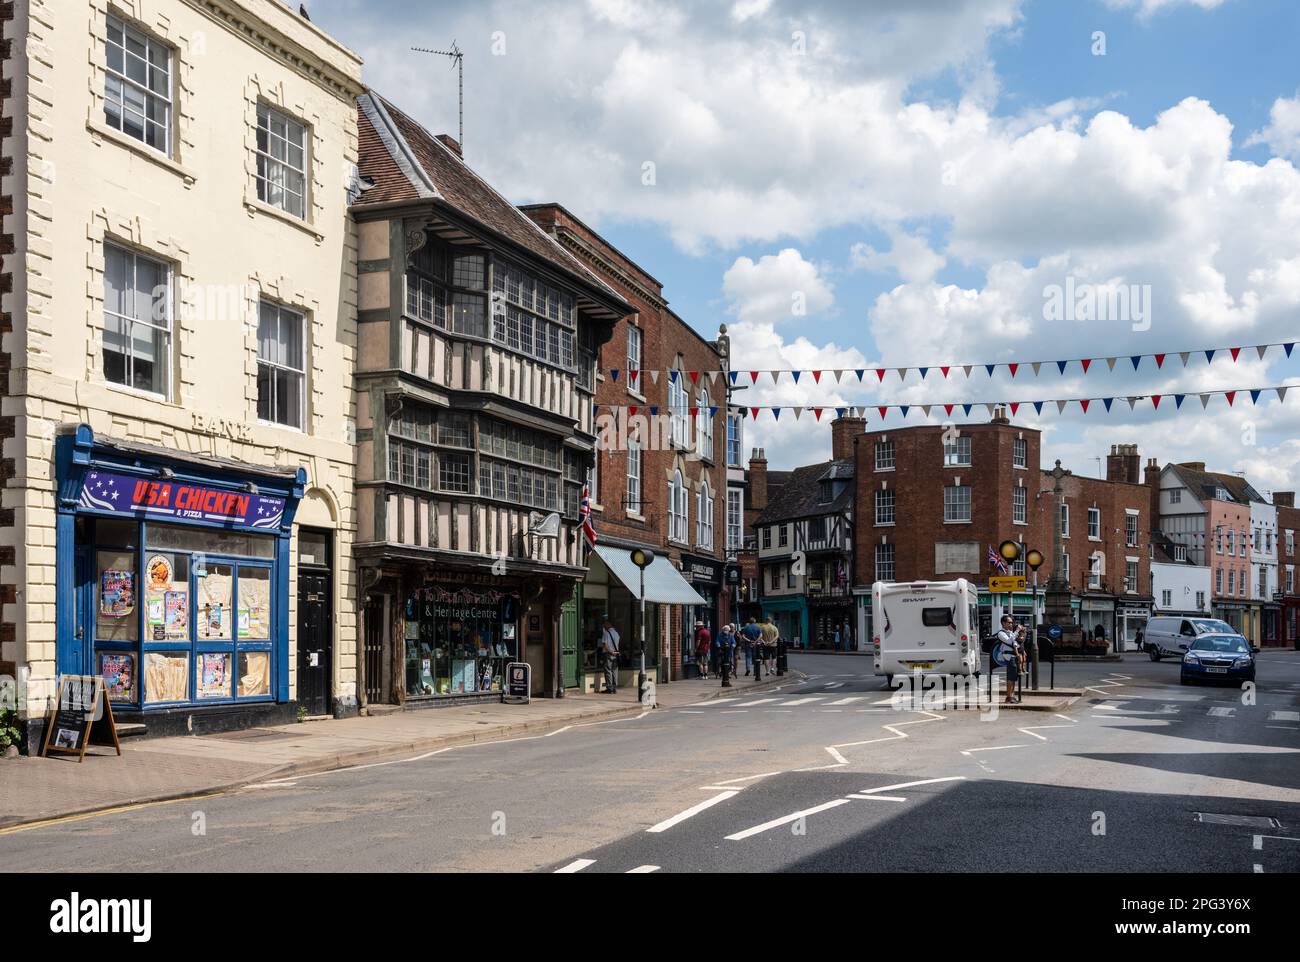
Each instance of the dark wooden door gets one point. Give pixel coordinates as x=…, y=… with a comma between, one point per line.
x=315, y=642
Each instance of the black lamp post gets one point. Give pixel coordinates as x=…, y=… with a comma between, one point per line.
x=1034, y=558
x=642, y=558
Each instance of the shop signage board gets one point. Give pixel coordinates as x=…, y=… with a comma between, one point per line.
x=81, y=712
x=1008, y=583
x=518, y=683
x=179, y=501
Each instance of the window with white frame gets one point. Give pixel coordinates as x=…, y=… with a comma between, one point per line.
x=138, y=85
x=1019, y=453
x=1231, y=535
x=1175, y=495
x=137, y=320
x=1290, y=541
x=593, y=479
x=1200, y=601
x=1130, y=576
x=735, y=440
x=956, y=502
x=1065, y=567
x=633, y=498
x=1290, y=580
x=1166, y=598
x=1232, y=582
x=767, y=536
x=280, y=365
x=782, y=536
x=1094, y=570
x=703, y=425
x=956, y=452
x=1065, y=520
x=1218, y=539
x=1019, y=505
x=884, y=562
x=281, y=161
x=678, y=509
x=884, y=507
x=704, y=517
x=735, y=518
x=884, y=455
x=1263, y=582
x=1094, y=523
x=1242, y=544
x=1018, y=567
x=634, y=357
x=1241, y=585
x=679, y=410
x=1218, y=581
x=1131, y=529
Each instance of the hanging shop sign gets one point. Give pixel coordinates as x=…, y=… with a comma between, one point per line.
x=179, y=501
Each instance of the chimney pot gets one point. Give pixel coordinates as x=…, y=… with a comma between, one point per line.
x=452, y=144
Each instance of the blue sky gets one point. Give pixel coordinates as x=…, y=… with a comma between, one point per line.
x=918, y=174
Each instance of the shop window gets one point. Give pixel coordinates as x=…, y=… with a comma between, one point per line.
x=254, y=603
x=137, y=320
x=166, y=596
x=115, y=588
x=254, y=674
x=121, y=679
x=213, y=604
x=459, y=640
x=212, y=675
x=166, y=676
x=210, y=541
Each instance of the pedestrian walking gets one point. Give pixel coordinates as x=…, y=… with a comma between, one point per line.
x=1011, y=655
x=751, y=636
x=703, y=642
x=609, y=642
x=770, y=635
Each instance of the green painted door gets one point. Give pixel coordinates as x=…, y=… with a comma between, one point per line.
x=569, y=639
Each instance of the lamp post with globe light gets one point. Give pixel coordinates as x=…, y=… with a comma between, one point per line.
x=642, y=558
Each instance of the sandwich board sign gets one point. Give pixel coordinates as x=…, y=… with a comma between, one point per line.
x=519, y=687
x=82, y=712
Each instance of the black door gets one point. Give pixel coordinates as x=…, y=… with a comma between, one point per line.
x=315, y=642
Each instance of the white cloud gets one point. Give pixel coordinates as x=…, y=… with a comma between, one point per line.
x=1282, y=135
x=743, y=10
x=910, y=256
x=778, y=287
x=1146, y=8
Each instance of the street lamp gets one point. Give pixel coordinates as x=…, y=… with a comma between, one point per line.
x=642, y=558
x=1034, y=558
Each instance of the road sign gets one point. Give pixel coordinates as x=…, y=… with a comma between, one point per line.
x=1007, y=584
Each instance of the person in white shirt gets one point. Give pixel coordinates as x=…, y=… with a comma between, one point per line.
x=609, y=641
x=1010, y=654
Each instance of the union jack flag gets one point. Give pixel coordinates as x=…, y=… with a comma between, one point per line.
x=584, y=515
x=995, y=560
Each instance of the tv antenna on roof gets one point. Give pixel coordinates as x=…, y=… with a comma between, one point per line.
x=458, y=61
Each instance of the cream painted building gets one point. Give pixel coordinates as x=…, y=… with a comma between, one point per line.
x=179, y=336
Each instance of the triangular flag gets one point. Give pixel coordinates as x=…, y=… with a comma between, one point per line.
x=796, y=412
x=991, y=408
x=1281, y=393
x=1108, y=401
x=883, y=411
x=795, y=375
x=947, y=409
x=924, y=371
x=632, y=376
x=753, y=412
x=654, y=376
x=1087, y=363
x=631, y=410
x=1060, y=406
x=841, y=412
x=1235, y=351
x=713, y=410
x=1262, y=349
x=753, y=377
x=1084, y=404
x=1209, y=356
x=713, y=377
x=1038, y=407
x=1015, y=406
x=945, y=372
x=966, y=408
x=838, y=375
x=903, y=409
x=613, y=374
x=1136, y=359
x=695, y=377
x=1132, y=402
x=672, y=376
x=1060, y=367
x=818, y=413
x=1178, y=401
x=1012, y=368
x=817, y=377
x=694, y=411
x=1288, y=348
x=1231, y=396
x=902, y=373
x=968, y=368
x=1205, y=401
x=1155, y=401
x=733, y=375
x=1110, y=362
x=880, y=374
x=1160, y=361
x=776, y=376
x=654, y=410
x=1036, y=365
x=776, y=414
x=1254, y=397
x=925, y=409
x=989, y=368
x=1186, y=356
x=859, y=372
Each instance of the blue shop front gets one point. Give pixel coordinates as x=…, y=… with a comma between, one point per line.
x=173, y=582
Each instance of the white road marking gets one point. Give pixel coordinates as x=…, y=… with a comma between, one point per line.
x=693, y=810
x=786, y=819
x=1107, y=708
x=840, y=759
x=803, y=701
x=877, y=798
x=1278, y=715
x=687, y=711
x=1030, y=730
x=643, y=870
x=924, y=781
x=833, y=711
x=577, y=865
x=712, y=701
x=994, y=748
x=1259, y=869
x=746, y=778
x=1222, y=712
x=1066, y=717
x=847, y=701
x=834, y=684
x=890, y=728
x=761, y=701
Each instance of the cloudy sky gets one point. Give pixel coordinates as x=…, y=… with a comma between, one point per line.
x=902, y=182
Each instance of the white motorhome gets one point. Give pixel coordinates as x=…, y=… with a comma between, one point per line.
x=925, y=626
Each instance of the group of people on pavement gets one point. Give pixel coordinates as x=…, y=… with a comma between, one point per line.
x=719, y=656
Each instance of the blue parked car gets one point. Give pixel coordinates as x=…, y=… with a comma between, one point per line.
x=1219, y=658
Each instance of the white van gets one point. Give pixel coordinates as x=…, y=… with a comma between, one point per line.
x=925, y=626
x=1170, y=637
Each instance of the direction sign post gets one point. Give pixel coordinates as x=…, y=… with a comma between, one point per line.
x=1008, y=584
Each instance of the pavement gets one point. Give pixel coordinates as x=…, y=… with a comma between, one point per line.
x=163, y=769
x=822, y=772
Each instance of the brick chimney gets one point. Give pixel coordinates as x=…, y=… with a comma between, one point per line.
x=1000, y=416
x=452, y=144
x=1123, y=464
x=1193, y=465
x=1151, y=475
x=843, y=432
x=1284, y=499
x=758, y=479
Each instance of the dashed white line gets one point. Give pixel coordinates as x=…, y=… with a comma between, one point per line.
x=834, y=684
x=877, y=798
x=577, y=865
x=746, y=778
x=712, y=701
x=1067, y=718
x=846, y=701
x=761, y=701
x=1030, y=731
x=1284, y=716
x=992, y=748
x=804, y=701
x=1222, y=712
x=693, y=810
x=643, y=870
x=786, y=819
x=924, y=781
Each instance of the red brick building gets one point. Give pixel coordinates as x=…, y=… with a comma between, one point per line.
x=1288, y=537
x=931, y=501
x=661, y=476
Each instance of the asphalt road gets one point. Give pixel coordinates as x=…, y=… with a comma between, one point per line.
x=822, y=775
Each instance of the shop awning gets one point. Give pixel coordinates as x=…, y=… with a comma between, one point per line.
x=663, y=582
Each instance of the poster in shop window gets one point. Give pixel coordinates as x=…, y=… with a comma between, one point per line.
x=116, y=593
x=214, y=676
x=177, y=624
x=119, y=676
